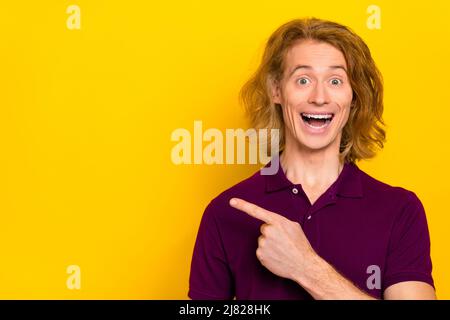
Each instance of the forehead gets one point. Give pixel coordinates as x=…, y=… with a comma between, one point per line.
x=318, y=55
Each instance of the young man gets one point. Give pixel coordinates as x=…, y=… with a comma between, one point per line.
x=320, y=227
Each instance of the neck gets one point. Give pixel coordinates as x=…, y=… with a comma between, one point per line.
x=311, y=168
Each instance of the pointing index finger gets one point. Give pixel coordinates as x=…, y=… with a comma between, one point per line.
x=254, y=210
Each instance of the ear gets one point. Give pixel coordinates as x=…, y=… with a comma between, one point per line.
x=275, y=91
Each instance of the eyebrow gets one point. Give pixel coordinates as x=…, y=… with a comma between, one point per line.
x=303, y=66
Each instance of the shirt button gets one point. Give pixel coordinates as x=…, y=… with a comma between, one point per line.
x=309, y=217
x=294, y=190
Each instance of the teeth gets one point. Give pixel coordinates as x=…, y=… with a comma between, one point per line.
x=319, y=127
x=317, y=116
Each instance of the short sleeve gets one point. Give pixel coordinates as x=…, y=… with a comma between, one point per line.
x=210, y=276
x=408, y=257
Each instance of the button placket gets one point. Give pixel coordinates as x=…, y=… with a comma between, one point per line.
x=296, y=196
x=319, y=206
x=308, y=215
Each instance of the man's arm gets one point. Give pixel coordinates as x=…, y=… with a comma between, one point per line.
x=410, y=290
x=284, y=249
x=324, y=282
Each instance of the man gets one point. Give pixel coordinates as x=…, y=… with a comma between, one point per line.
x=320, y=227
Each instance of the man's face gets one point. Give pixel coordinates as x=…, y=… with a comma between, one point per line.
x=315, y=95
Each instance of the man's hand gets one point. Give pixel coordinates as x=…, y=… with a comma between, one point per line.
x=282, y=247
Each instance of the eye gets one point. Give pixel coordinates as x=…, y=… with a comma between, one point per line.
x=336, y=81
x=303, y=81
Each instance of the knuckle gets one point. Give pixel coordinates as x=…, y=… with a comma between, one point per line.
x=260, y=241
x=258, y=253
x=263, y=227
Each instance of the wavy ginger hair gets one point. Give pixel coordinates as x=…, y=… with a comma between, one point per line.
x=363, y=132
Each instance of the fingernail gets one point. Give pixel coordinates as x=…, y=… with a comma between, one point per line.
x=233, y=202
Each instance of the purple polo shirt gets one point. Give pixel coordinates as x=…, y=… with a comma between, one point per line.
x=363, y=227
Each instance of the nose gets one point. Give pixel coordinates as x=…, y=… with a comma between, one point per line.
x=318, y=95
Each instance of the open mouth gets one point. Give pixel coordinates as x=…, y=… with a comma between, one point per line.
x=317, y=121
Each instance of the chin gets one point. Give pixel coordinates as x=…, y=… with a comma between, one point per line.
x=315, y=143
x=315, y=147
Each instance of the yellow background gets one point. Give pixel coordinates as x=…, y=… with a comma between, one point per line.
x=86, y=118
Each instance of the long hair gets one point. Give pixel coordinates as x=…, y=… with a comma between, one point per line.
x=363, y=133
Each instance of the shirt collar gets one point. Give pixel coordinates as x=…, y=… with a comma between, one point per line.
x=348, y=183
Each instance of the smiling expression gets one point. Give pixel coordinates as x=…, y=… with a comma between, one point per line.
x=315, y=95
